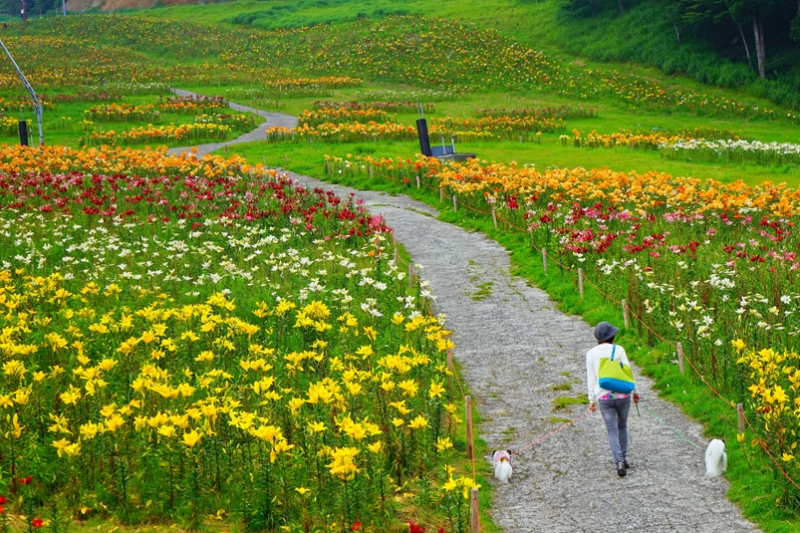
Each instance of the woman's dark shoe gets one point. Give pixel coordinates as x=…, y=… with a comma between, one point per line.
x=621, y=472
x=627, y=465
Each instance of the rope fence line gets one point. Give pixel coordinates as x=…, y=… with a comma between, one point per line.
x=636, y=317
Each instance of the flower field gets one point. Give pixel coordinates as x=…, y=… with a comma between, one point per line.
x=188, y=341
x=132, y=114
x=199, y=336
x=363, y=126
x=708, y=264
x=466, y=58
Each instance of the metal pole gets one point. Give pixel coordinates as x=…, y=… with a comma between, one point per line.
x=36, y=102
x=64, y=6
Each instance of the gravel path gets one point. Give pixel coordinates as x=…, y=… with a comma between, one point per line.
x=273, y=119
x=514, y=348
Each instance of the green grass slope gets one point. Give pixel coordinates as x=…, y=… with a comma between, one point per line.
x=644, y=35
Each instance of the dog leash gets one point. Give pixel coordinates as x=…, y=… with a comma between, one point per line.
x=655, y=416
x=563, y=426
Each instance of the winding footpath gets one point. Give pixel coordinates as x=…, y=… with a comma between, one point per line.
x=259, y=133
x=517, y=353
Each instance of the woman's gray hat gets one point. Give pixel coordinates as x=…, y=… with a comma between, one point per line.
x=605, y=331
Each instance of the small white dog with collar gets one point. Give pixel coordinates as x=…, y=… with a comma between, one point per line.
x=502, y=465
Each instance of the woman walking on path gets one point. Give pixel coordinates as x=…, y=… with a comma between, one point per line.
x=614, y=405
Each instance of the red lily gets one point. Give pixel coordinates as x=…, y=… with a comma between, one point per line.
x=415, y=528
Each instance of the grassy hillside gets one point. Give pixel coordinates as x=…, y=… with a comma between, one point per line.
x=644, y=35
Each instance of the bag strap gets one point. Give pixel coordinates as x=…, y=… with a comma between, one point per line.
x=613, y=349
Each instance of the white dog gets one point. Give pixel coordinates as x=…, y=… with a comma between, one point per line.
x=716, y=459
x=502, y=465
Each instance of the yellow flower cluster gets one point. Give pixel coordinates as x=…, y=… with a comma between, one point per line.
x=775, y=399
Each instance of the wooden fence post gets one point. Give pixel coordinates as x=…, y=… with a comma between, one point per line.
x=680, y=357
x=544, y=260
x=418, y=182
x=441, y=195
x=327, y=167
x=455, y=204
x=370, y=172
x=287, y=159
x=474, y=517
x=494, y=217
x=740, y=414
x=625, y=313
x=580, y=281
x=468, y=410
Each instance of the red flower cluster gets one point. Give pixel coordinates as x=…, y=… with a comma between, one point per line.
x=165, y=199
x=415, y=528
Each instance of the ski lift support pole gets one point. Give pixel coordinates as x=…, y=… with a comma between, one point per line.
x=37, y=104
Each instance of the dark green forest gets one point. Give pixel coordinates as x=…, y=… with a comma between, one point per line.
x=730, y=43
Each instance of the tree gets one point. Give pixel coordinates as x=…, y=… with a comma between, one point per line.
x=795, y=29
x=754, y=10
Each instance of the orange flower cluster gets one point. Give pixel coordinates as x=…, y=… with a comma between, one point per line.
x=193, y=105
x=641, y=192
x=115, y=160
x=328, y=115
x=122, y=113
x=502, y=127
x=346, y=132
x=647, y=141
x=162, y=134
